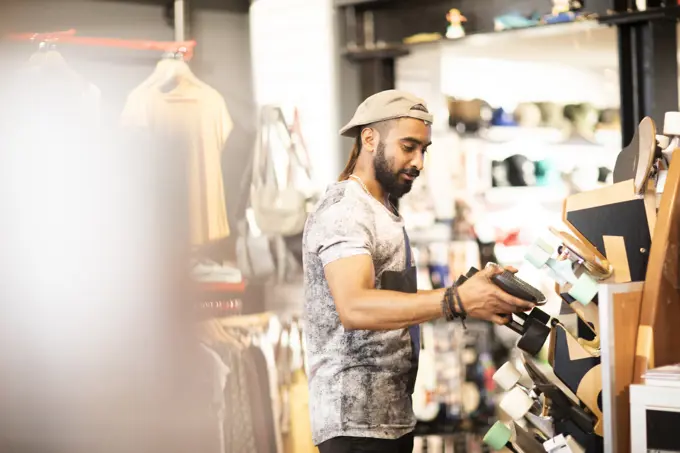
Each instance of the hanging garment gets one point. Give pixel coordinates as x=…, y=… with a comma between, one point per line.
x=192, y=118
x=267, y=349
x=239, y=433
x=299, y=438
x=296, y=424
x=220, y=373
x=47, y=94
x=260, y=400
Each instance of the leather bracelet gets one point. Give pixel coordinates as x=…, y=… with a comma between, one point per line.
x=462, y=315
x=452, y=302
x=447, y=306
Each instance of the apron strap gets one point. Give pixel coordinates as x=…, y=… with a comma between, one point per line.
x=408, y=249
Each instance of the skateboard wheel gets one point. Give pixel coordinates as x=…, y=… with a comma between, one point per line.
x=671, y=123
x=498, y=436
x=534, y=337
x=539, y=253
x=539, y=315
x=584, y=289
x=516, y=403
x=663, y=141
x=507, y=376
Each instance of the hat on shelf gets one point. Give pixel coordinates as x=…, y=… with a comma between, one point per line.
x=387, y=105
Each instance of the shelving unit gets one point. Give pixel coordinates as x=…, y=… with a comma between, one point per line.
x=346, y=3
x=623, y=60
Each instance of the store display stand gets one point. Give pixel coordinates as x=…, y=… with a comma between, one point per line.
x=619, y=307
x=661, y=402
x=637, y=320
x=638, y=305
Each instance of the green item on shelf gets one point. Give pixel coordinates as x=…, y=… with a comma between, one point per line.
x=546, y=173
x=513, y=21
x=497, y=436
x=585, y=289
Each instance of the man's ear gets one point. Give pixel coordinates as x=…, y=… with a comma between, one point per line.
x=369, y=138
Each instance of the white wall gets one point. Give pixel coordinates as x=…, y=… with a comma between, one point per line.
x=419, y=73
x=295, y=64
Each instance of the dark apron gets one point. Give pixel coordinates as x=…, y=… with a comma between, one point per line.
x=406, y=282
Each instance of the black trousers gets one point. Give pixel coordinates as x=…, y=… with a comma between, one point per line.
x=367, y=445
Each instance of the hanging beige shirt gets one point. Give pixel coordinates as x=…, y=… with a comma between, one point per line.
x=191, y=116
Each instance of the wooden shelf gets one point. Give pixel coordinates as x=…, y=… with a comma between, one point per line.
x=380, y=3
x=388, y=51
x=345, y=3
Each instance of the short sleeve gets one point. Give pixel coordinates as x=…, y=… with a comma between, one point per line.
x=342, y=230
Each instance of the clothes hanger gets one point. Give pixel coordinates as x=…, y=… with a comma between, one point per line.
x=169, y=63
x=205, y=334
x=222, y=336
x=172, y=70
x=38, y=57
x=260, y=320
x=51, y=62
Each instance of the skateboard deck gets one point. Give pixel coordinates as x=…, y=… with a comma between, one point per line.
x=617, y=223
x=580, y=266
x=631, y=200
x=595, y=263
x=635, y=160
x=589, y=314
x=579, y=370
x=568, y=416
x=658, y=343
x=526, y=441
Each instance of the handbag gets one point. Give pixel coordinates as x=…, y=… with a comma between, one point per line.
x=278, y=210
x=254, y=256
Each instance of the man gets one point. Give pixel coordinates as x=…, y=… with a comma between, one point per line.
x=362, y=307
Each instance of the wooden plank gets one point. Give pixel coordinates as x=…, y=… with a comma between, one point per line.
x=658, y=342
x=615, y=249
x=626, y=317
x=619, y=305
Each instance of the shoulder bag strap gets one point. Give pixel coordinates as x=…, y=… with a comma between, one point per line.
x=258, y=152
x=305, y=162
x=287, y=141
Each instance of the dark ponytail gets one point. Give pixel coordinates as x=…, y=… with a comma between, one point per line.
x=352, y=162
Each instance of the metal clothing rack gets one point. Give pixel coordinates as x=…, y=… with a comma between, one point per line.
x=47, y=40
x=220, y=308
x=219, y=299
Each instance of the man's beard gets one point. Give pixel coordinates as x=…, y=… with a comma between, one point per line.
x=390, y=181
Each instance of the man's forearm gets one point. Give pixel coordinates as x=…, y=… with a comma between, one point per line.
x=378, y=309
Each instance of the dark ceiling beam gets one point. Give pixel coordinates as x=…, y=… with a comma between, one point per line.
x=232, y=6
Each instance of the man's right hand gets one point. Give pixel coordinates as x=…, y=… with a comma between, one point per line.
x=482, y=299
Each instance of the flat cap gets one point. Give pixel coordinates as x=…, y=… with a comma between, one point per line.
x=386, y=105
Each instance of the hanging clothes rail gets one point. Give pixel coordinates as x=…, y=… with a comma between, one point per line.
x=69, y=37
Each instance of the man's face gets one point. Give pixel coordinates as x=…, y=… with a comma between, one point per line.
x=399, y=155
